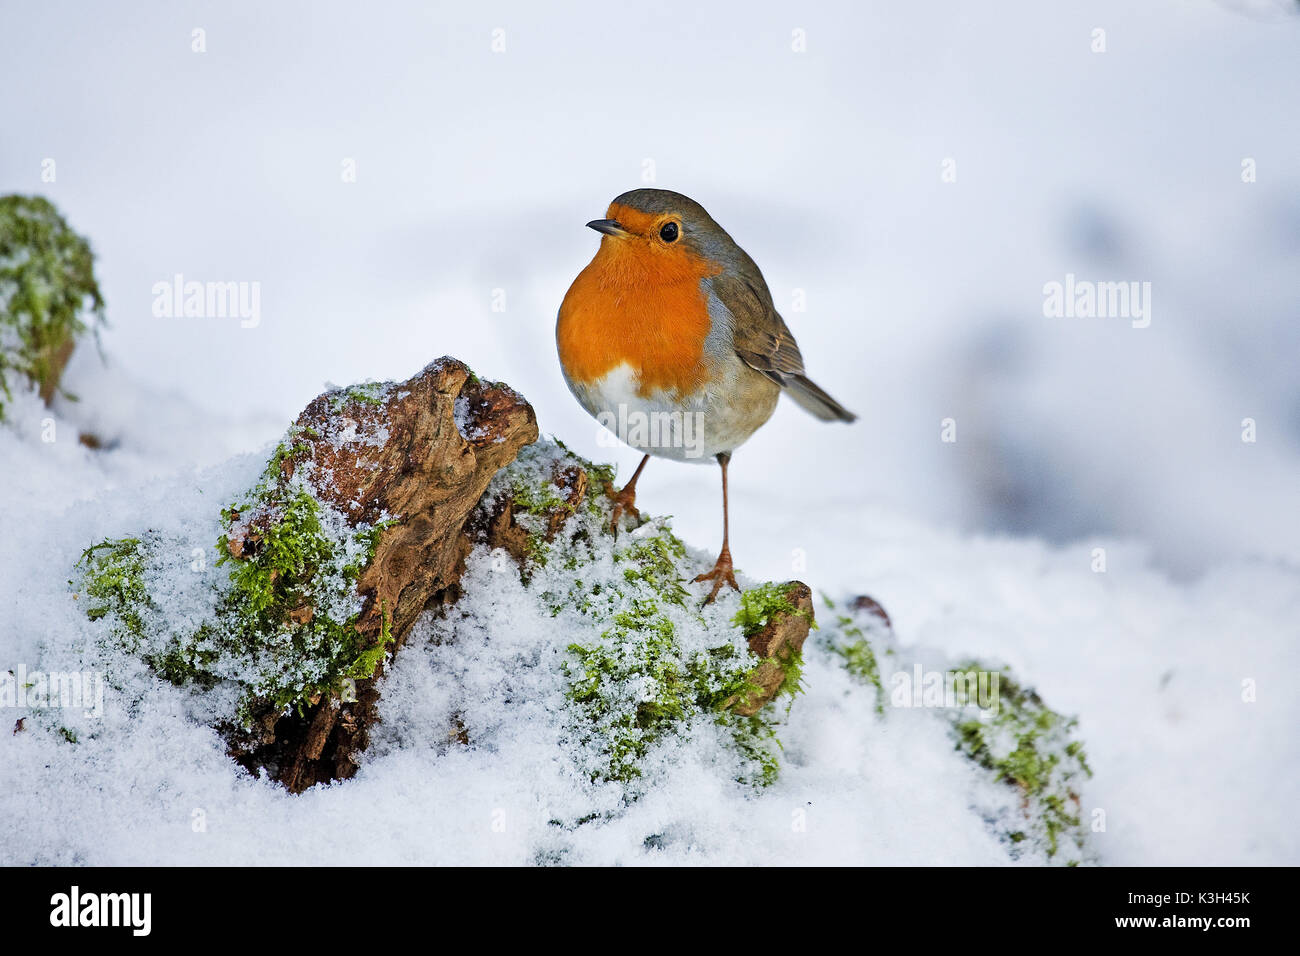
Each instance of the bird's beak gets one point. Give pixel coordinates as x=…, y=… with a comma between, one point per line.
x=608, y=227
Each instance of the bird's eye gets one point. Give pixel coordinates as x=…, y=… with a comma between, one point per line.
x=668, y=232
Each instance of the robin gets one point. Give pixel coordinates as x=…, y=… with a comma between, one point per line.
x=670, y=339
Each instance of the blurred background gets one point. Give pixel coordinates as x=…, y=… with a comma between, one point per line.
x=407, y=180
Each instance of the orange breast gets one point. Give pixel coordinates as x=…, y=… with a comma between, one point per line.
x=641, y=305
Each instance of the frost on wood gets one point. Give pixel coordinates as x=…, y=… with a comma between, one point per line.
x=400, y=460
x=361, y=523
x=352, y=532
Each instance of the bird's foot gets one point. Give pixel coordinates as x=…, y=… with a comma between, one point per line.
x=722, y=573
x=624, y=504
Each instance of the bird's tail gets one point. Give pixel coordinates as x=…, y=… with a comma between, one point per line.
x=816, y=402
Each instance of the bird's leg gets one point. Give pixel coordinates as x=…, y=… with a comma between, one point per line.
x=723, y=572
x=625, y=500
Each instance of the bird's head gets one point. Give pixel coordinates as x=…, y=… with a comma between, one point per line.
x=663, y=228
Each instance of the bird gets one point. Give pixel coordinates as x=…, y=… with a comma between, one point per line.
x=669, y=337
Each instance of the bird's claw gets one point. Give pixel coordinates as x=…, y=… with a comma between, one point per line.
x=722, y=573
x=624, y=504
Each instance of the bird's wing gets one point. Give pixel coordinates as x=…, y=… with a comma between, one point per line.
x=759, y=334
x=764, y=343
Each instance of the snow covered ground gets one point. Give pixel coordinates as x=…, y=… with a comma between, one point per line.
x=1186, y=771
x=924, y=301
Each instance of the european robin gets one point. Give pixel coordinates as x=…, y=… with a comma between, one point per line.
x=670, y=339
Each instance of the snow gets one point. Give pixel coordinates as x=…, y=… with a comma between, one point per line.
x=1152, y=666
x=924, y=301
x=465, y=421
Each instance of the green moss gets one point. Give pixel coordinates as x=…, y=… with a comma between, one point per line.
x=755, y=737
x=1022, y=743
x=632, y=686
x=635, y=688
x=368, y=540
x=635, y=685
x=1074, y=750
x=283, y=615
x=599, y=476
x=630, y=725
x=291, y=562
x=654, y=562
x=368, y=661
x=723, y=679
x=291, y=549
x=286, y=450
x=791, y=663
x=540, y=500
x=113, y=583
x=48, y=293
x=602, y=475
x=534, y=485
x=760, y=605
x=857, y=656
x=847, y=641
x=188, y=661
x=1029, y=747
x=531, y=481
x=362, y=393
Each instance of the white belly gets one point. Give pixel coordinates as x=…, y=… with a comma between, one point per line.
x=718, y=418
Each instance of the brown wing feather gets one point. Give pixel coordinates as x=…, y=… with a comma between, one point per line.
x=764, y=342
x=760, y=335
